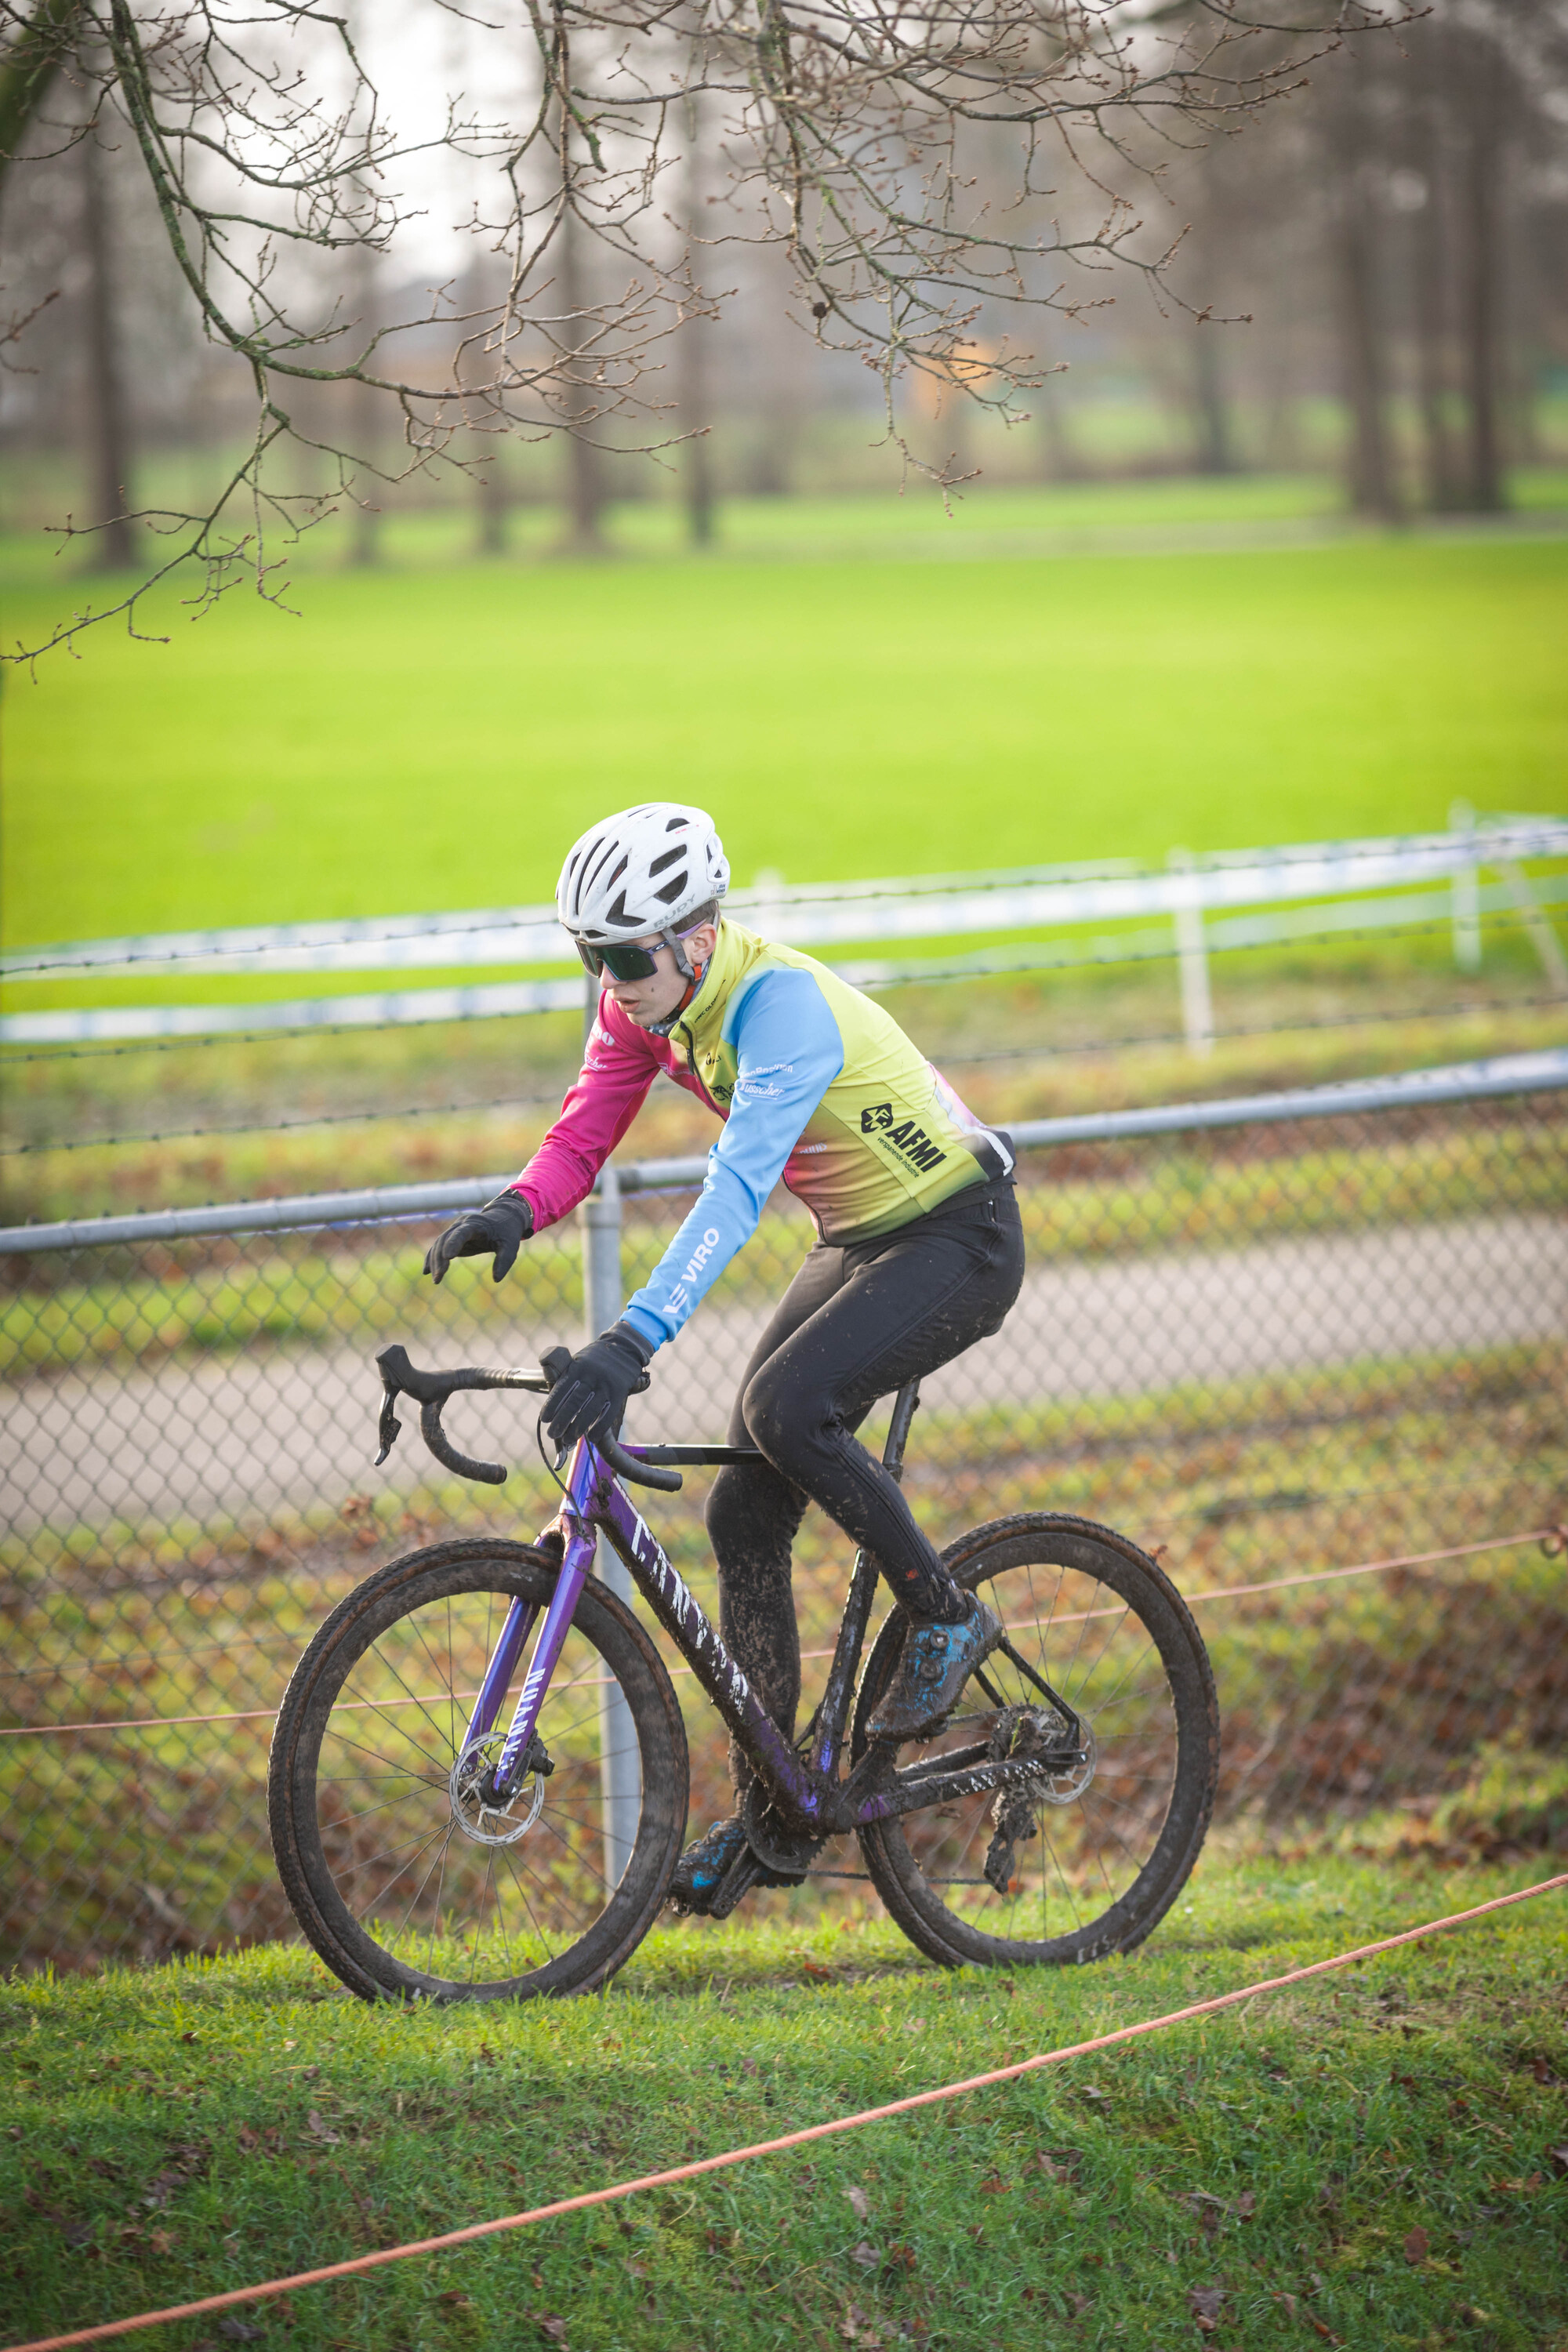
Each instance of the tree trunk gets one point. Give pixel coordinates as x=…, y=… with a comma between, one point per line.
x=1480, y=77
x=1430, y=285
x=364, y=418
x=694, y=355
x=1056, y=459
x=584, y=476
x=1371, y=480
x=492, y=498
x=1211, y=410
x=109, y=418
x=486, y=450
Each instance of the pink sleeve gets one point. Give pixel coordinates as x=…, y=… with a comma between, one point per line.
x=618, y=1067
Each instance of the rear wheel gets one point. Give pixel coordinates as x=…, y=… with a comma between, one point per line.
x=405, y=1885
x=1089, y=1865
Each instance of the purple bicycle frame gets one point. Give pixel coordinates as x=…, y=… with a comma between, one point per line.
x=595, y=1499
x=808, y=1795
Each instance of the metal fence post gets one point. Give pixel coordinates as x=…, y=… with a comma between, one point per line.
x=620, y=1767
x=1192, y=955
x=1465, y=895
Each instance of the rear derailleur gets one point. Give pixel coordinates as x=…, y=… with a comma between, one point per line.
x=1022, y=1734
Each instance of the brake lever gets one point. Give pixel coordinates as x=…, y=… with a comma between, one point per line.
x=389, y=1427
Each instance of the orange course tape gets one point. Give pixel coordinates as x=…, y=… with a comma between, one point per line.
x=268, y=2287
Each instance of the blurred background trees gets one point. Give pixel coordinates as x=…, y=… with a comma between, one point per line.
x=1370, y=277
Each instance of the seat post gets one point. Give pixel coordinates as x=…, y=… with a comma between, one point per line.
x=906, y=1404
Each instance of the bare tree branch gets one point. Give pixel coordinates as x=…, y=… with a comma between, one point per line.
x=860, y=137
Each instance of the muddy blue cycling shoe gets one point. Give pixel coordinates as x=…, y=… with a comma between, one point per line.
x=715, y=1872
x=935, y=1664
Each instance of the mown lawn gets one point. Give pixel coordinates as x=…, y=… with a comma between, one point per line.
x=433, y=737
x=1373, y=2160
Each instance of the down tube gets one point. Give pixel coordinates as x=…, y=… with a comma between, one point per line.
x=680, y=1613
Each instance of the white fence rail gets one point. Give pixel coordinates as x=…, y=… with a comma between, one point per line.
x=1197, y=899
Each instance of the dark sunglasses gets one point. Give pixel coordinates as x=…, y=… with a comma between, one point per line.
x=627, y=962
x=621, y=962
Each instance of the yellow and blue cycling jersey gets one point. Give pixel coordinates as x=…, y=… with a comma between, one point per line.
x=815, y=1083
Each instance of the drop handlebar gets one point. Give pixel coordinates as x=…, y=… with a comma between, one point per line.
x=430, y=1392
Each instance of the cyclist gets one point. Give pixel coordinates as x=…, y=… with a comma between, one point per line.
x=919, y=1253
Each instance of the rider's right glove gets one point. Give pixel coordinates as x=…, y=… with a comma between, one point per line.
x=589, y=1398
x=502, y=1226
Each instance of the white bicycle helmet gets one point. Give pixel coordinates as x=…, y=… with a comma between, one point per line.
x=643, y=870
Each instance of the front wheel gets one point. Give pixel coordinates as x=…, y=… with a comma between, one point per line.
x=1093, y=1862
x=405, y=1885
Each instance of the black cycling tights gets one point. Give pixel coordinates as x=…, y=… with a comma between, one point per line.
x=854, y=1324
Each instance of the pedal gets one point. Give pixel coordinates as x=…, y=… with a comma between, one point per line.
x=744, y=1873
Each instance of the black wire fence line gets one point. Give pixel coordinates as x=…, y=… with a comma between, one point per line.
x=1551, y=1540
x=961, y=1059
x=362, y=932
x=1109, y=959
x=1389, y=1384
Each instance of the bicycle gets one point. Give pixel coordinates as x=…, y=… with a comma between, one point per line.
x=429, y=1853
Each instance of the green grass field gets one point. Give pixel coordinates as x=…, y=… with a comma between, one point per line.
x=1375, y=2161
x=429, y=737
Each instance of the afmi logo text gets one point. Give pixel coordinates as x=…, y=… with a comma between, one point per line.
x=912, y=1141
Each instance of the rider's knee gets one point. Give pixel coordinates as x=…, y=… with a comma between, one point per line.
x=779, y=1414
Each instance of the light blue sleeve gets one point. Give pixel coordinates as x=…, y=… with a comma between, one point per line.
x=788, y=1052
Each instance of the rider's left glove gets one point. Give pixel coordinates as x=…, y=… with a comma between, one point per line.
x=502, y=1226
x=589, y=1400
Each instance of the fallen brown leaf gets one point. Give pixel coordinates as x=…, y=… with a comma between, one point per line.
x=866, y=2256
x=1416, y=2247
x=857, y=2197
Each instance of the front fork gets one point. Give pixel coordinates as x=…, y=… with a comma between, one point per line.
x=580, y=1545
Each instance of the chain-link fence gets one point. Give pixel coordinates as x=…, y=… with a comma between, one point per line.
x=1269, y=1347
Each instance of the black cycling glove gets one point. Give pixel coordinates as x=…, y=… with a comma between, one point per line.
x=589, y=1398
x=502, y=1226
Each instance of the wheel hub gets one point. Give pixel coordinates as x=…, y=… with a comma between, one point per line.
x=490, y=1820
x=1024, y=1732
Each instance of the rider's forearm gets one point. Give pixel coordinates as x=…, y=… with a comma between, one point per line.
x=722, y=1222
x=608, y=1093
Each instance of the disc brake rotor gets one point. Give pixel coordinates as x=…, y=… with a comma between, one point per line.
x=487, y=1820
